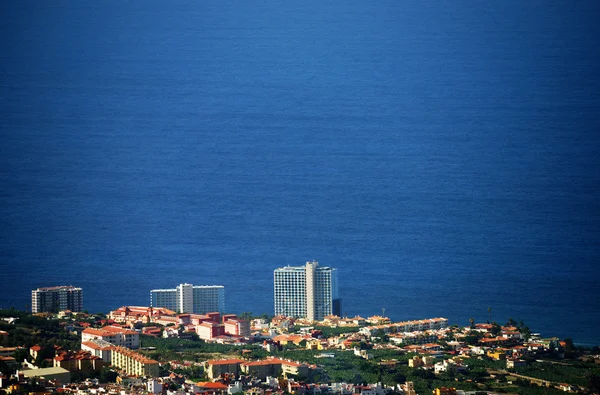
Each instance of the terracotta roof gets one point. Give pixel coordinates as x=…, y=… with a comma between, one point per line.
x=224, y=361
x=133, y=355
x=211, y=385
x=108, y=331
x=209, y=324
x=95, y=346
x=272, y=361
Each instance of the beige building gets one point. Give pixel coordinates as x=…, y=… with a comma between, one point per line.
x=215, y=368
x=274, y=367
x=134, y=363
x=80, y=361
x=60, y=374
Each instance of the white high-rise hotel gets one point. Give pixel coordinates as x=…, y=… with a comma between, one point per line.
x=188, y=298
x=307, y=291
x=55, y=299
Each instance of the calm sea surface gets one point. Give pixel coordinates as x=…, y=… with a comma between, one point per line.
x=443, y=155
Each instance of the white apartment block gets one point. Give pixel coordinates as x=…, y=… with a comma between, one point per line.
x=308, y=291
x=188, y=298
x=113, y=335
x=406, y=326
x=55, y=299
x=98, y=348
x=133, y=363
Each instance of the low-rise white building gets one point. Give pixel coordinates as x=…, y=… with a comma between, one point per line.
x=449, y=365
x=99, y=348
x=154, y=386
x=405, y=326
x=114, y=335
x=235, y=388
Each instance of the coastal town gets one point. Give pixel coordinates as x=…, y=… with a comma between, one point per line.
x=137, y=349
x=186, y=343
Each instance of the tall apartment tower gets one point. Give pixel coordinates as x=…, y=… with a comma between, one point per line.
x=188, y=298
x=55, y=299
x=308, y=291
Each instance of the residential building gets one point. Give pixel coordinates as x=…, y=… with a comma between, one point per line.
x=275, y=367
x=8, y=351
x=512, y=363
x=34, y=350
x=135, y=314
x=55, y=373
x=134, y=363
x=235, y=388
x=55, y=299
x=10, y=362
x=444, y=391
x=99, y=348
x=112, y=334
x=408, y=388
x=79, y=361
x=215, y=368
x=308, y=291
x=154, y=386
x=405, y=326
x=210, y=388
x=209, y=330
x=236, y=326
x=188, y=298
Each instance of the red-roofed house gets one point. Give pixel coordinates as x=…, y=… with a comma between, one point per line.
x=33, y=351
x=152, y=331
x=114, y=335
x=208, y=387
x=82, y=361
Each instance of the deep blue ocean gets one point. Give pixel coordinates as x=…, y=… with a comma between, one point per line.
x=443, y=155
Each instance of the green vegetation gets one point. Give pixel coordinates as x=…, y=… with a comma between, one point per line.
x=574, y=373
x=29, y=330
x=330, y=332
x=192, y=350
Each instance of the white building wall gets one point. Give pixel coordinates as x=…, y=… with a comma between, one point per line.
x=305, y=291
x=188, y=298
x=208, y=299
x=154, y=386
x=290, y=292
x=204, y=332
x=185, y=298
x=166, y=298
